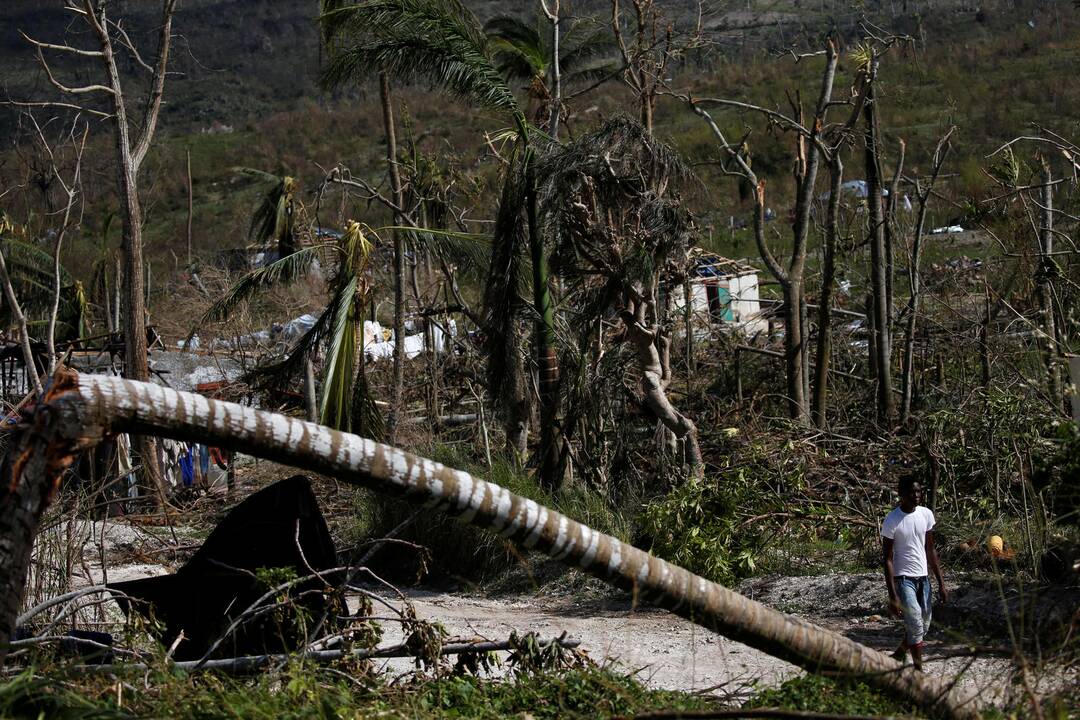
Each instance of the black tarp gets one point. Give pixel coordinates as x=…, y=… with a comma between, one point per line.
x=267, y=530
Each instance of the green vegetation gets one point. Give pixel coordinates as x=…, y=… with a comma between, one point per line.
x=303, y=691
x=826, y=695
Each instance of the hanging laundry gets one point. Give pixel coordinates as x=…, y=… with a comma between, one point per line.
x=204, y=465
x=187, y=466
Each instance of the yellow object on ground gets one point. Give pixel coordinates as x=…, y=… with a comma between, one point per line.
x=995, y=545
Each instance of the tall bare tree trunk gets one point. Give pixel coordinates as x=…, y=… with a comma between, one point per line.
x=553, y=15
x=794, y=347
x=1045, y=290
x=823, y=357
x=882, y=359
x=398, y=390
x=907, y=383
x=83, y=409
x=915, y=276
x=190, y=204
x=654, y=362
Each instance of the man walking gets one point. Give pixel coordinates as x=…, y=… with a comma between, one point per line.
x=907, y=544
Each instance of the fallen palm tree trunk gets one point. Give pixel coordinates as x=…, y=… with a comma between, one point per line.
x=78, y=410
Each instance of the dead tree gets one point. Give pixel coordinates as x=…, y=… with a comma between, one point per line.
x=621, y=236
x=133, y=142
x=881, y=322
x=645, y=58
x=811, y=148
x=922, y=199
x=398, y=389
x=823, y=353
x=1047, y=269
x=79, y=410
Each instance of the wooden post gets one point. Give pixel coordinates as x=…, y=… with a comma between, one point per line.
x=1074, y=375
x=738, y=378
x=309, y=391
x=190, y=204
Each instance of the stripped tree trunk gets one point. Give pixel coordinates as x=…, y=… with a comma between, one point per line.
x=907, y=383
x=1045, y=291
x=82, y=409
x=130, y=153
x=882, y=345
x=828, y=274
x=398, y=390
x=656, y=376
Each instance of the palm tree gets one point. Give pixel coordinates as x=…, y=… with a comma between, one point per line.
x=526, y=52
x=345, y=402
x=618, y=235
x=80, y=409
x=442, y=42
x=274, y=220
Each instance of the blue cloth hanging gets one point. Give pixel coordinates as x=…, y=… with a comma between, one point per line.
x=187, y=467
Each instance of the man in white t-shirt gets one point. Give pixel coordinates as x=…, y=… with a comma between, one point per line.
x=907, y=543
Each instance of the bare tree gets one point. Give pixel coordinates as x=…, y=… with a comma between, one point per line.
x=823, y=353
x=82, y=409
x=811, y=147
x=552, y=13
x=24, y=334
x=651, y=49
x=398, y=389
x=133, y=142
x=1044, y=285
x=881, y=321
x=922, y=198
x=70, y=187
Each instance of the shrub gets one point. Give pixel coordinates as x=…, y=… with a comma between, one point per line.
x=826, y=695
x=696, y=526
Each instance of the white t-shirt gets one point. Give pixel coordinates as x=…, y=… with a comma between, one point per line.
x=908, y=533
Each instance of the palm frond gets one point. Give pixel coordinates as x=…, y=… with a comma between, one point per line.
x=283, y=374
x=439, y=41
x=274, y=218
x=518, y=49
x=340, y=365
x=470, y=252
x=284, y=271
x=367, y=421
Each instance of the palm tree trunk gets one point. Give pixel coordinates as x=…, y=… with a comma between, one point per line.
x=398, y=387
x=547, y=360
x=82, y=409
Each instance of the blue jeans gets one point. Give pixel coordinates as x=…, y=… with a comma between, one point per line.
x=914, y=595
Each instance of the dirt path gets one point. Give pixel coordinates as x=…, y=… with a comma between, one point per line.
x=671, y=653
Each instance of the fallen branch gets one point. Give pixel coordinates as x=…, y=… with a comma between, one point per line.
x=250, y=663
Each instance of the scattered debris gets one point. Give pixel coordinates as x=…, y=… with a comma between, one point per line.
x=273, y=537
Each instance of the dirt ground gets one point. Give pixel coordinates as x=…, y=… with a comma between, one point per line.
x=967, y=641
x=667, y=652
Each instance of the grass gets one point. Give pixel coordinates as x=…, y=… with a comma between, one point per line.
x=825, y=695
x=307, y=691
